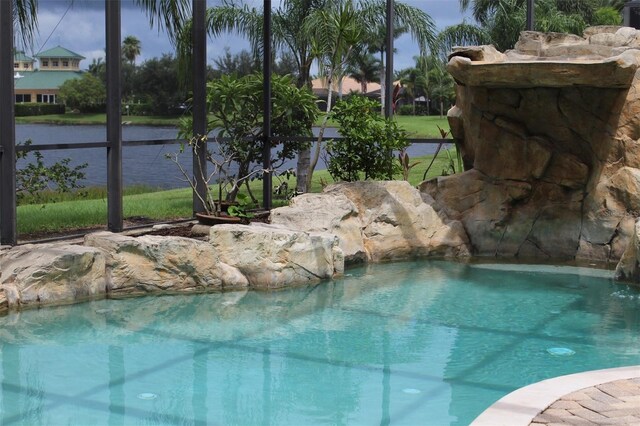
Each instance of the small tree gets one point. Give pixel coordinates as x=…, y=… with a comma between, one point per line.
x=369, y=144
x=84, y=93
x=34, y=177
x=235, y=106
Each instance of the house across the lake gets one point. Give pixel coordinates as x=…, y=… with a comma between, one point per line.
x=42, y=84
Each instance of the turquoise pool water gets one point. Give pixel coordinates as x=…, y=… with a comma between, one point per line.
x=430, y=343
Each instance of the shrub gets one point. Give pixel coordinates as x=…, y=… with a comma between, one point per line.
x=405, y=110
x=235, y=108
x=369, y=144
x=27, y=109
x=86, y=93
x=35, y=178
x=144, y=108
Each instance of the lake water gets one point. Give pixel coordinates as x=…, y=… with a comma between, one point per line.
x=415, y=343
x=141, y=164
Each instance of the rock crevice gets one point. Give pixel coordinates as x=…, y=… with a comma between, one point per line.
x=556, y=115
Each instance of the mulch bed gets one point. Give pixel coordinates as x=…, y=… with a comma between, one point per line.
x=175, y=230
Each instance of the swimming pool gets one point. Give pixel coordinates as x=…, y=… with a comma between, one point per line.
x=427, y=342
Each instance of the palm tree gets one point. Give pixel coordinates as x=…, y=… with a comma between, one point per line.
x=334, y=32
x=415, y=81
x=441, y=84
x=25, y=19
x=363, y=68
x=408, y=19
x=501, y=21
x=291, y=33
x=463, y=34
x=130, y=48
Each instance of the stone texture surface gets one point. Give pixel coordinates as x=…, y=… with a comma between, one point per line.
x=45, y=274
x=613, y=403
x=628, y=268
x=270, y=256
x=376, y=221
x=550, y=139
x=138, y=265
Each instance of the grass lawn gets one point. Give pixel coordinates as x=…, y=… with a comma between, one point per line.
x=417, y=126
x=71, y=119
x=67, y=215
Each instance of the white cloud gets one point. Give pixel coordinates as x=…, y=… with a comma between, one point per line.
x=81, y=29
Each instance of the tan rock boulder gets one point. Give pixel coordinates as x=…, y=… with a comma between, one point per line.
x=138, y=265
x=628, y=268
x=612, y=72
x=51, y=274
x=535, y=43
x=485, y=53
x=330, y=211
x=270, y=256
x=550, y=138
x=376, y=221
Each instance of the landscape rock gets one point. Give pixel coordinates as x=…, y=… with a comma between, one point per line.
x=271, y=256
x=51, y=274
x=550, y=138
x=139, y=265
x=376, y=221
x=628, y=269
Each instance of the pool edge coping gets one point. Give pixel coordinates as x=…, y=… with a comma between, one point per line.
x=522, y=405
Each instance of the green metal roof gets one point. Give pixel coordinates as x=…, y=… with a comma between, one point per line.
x=59, y=52
x=20, y=56
x=44, y=79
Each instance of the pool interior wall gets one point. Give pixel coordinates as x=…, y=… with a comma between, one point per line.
x=429, y=342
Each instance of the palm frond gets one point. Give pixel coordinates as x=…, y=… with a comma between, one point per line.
x=25, y=18
x=169, y=15
x=460, y=35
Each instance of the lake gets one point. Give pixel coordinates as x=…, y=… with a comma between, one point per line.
x=145, y=165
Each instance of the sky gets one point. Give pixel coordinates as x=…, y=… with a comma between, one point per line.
x=79, y=26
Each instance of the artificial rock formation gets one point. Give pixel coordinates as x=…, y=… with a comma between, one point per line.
x=146, y=264
x=550, y=139
x=376, y=221
x=628, y=269
x=269, y=256
x=51, y=274
x=115, y=265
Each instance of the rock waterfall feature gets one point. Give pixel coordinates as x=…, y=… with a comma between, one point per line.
x=549, y=134
x=550, y=139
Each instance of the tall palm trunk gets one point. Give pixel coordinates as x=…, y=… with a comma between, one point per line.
x=323, y=126
x=303, y=164
x=382, y=82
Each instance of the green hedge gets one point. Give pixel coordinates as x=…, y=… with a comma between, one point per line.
x=26, y=109
x=138, y=109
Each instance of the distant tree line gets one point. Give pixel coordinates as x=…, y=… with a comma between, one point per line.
x=154, y=86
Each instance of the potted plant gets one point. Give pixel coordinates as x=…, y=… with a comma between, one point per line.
x=217, y=207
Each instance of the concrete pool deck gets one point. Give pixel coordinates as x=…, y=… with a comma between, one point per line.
x=599, y=397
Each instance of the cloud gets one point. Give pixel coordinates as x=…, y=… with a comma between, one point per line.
x=81, y=29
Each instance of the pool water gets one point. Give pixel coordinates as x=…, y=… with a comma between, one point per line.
x=428, y=342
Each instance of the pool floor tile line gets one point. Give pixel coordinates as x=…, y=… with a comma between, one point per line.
x=599, y=397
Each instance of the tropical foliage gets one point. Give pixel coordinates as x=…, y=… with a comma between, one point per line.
x=34, y=177
x=235, y=107
x=131, y=48
x=86, y=94
x=500, y=21
x=369, y=144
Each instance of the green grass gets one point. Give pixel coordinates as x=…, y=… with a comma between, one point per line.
x=89, y=193
x=75, y=119
x=418, y=126
x=70, y=214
